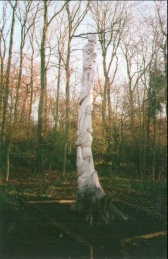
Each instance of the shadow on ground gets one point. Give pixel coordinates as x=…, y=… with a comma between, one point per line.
x=51, y=230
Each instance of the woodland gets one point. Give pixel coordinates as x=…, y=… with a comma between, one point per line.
x=40, y=52
x=40, y=80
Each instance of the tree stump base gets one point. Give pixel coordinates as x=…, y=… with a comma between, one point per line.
x=97, y=207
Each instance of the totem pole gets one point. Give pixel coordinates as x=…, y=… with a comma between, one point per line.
x=91, y=198
x=87, y=176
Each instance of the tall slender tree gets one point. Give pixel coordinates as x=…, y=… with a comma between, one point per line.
x=75, y=15
x=111, y=20
x=43, y=78
x=6, y=94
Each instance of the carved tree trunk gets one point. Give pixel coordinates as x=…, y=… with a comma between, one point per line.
x=87, y=176
x=91, y=199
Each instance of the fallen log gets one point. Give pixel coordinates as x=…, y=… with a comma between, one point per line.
x=145, y=236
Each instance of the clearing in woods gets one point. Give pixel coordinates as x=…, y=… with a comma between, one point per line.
x=37, y=221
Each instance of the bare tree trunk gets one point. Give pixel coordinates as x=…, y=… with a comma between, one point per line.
x=6, y=94
x=75, y=17
x=24, y=31
x=109, y=15
x=32, y=83
x=2, y=79
x=154, y=150
x=67, y=116
x=57, y=95
x=43, y=78
x=31, y=93
x=42, y=112
x=154, y=128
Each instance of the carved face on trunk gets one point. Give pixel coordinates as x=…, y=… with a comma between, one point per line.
x=89, y=48
x=92, y=38
x=89, y=57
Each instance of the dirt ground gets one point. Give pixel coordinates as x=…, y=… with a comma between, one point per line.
x=43, y=228
x=51, y=230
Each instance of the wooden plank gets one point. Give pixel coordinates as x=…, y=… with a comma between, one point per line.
x=146, y=236
x=52, y=201
x=117, y=200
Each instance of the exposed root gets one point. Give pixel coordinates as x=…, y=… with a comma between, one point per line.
x=97, y=207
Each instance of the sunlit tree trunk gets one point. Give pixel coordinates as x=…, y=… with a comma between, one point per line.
x=67, y=88
x=43, y=81
x=24, y=30
x=6, y=95
x=91, y=198
x=56, y=108
x=31, y=86
x=3, y=51
x=75, y=16
x=113, y=15
x=42, y=112
x=88, y=182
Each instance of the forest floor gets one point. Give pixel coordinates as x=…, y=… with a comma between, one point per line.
x=36, y=220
